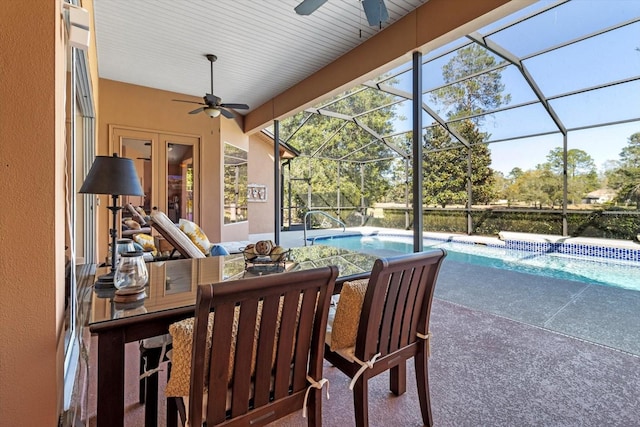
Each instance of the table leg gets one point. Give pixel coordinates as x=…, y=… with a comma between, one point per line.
x=110, y=411
x=151, y=401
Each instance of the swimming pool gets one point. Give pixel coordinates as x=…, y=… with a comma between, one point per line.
x=601, y=271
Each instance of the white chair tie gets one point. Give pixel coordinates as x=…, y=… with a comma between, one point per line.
x=150, y=372
x=427, y=338
x=314, y=384
x=363, y=366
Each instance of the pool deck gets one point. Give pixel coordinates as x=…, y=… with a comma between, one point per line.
x=602, y=315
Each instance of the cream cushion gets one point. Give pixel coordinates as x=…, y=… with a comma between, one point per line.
x=196, y=234
x=170, y=229
x=182, y=337
x=341, y=336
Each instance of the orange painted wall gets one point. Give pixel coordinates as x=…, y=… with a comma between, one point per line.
x=261, y=172
x=32, y=119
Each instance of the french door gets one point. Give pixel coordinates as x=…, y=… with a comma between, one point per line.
x=168, y=166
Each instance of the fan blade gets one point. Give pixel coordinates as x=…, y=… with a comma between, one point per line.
x=189, y=102
x=307, y=7
x=376, y=11
x=197, y=110
x=228, y=114
x=236, y=106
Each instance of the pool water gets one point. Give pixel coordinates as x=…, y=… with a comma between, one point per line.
x=609, y=272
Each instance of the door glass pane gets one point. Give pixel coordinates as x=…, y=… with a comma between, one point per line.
x=139, y=150
x=179, y=181
x=235, y=184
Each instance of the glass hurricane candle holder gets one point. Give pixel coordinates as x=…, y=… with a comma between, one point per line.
x=131, y=277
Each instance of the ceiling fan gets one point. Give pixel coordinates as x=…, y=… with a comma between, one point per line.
x=213, y=105
x=375, y=10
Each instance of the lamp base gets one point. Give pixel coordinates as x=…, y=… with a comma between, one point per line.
x=105, y=281
x=129, y=295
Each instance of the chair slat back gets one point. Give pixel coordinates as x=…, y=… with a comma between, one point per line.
x=266, y=336
x=398, y=299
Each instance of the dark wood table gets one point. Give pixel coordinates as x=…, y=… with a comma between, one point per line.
x=170, y=297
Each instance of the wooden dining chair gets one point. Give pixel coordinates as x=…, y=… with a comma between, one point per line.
x=257, y=351
x=383, y=321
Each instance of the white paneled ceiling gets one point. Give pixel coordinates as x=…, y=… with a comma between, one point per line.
x=263, y=46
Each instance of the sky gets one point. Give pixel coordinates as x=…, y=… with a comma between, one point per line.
x=602, y=144
x=612, y=56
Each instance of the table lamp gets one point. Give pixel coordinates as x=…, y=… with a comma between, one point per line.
x=116, y=176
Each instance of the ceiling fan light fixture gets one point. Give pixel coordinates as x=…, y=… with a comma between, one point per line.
x=212, y=112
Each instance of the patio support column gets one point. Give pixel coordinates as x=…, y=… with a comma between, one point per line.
x=276, y=182
x=565, y=184
x=417, y=152
x=309, y=186
x=406, y=194
x=289, y=192
x=362, y=207
x=338, y=192
x=469, y=192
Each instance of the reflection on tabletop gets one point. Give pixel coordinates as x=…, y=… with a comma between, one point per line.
x=173, y=284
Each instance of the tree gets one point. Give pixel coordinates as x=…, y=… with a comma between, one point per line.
x=324, y=140
x=473, y=95
x=515, y=173
x=446, y=161
x=528, y=187
x=626, y=178
x=446, y=170
x=501, y=185
x=579, y=162
x=582, y=176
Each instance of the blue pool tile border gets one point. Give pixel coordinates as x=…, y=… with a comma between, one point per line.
x=622, y=254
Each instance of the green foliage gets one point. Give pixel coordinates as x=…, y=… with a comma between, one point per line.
x=491, y=222
x=599, y=224
x=446, y=163
x=582, y=176
x=446, y=170
x=324, y=140
x=626, y=177
x=610, y=223
x=472, y=91
x=544, y=185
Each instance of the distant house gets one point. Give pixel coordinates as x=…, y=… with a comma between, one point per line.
x=602, y=195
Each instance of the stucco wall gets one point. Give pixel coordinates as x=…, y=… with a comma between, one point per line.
x=261, y=172
x=32, y=219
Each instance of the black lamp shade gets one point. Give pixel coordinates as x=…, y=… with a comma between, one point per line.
x=112, y=175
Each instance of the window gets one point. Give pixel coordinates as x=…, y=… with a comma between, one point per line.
x=235, y=184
